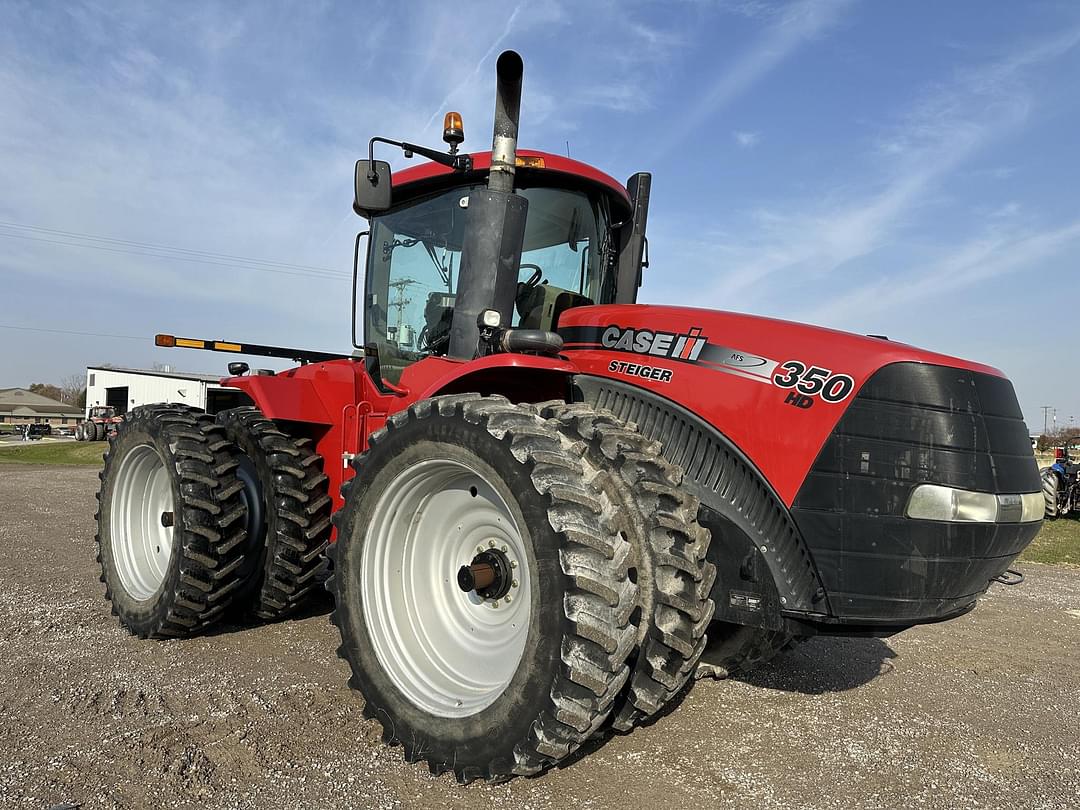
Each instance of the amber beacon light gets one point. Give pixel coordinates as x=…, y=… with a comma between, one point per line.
x=453, y=130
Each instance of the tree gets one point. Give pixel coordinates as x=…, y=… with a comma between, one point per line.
x=1059, y=437
x=72, y=386
x=47, y=390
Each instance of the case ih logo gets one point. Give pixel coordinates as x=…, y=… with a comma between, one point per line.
x=809, y=381
x=658, y=344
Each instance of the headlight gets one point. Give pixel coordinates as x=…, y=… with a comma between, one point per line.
x=1034, y=506
x=935, y=502
x=489, y=318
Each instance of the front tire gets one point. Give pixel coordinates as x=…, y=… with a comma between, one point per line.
x=674, y=578
x=486, y=686
x=170, y=522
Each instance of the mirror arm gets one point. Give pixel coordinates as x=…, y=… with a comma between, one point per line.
x=459, y=163
x=372, y=176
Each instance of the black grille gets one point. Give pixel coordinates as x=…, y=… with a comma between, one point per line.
x=910, y=424
x=915, y=423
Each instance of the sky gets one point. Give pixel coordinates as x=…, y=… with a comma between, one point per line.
x=907, y=169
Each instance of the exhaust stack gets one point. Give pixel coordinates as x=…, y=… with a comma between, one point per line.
x=508, y=70
x=495, y=224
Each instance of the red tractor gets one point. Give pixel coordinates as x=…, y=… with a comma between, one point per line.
x=101, y=422
x=533, y=499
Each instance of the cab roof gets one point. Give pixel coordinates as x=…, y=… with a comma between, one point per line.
x=430, y=176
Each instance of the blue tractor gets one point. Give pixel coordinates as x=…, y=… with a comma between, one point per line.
x=1061, y=483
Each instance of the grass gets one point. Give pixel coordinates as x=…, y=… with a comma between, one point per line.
x=87, y=453
x=1058, y=542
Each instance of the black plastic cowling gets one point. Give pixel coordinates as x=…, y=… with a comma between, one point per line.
x=914, y=423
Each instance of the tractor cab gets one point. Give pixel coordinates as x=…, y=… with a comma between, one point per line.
x=568, y=256
x=474, y=254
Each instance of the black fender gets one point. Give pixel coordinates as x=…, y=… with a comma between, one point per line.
x=764, y=566
x=518, y=377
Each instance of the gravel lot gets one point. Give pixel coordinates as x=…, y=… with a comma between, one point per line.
x=980, y=712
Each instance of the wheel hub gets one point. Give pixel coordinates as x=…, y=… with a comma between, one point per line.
x=490, y=574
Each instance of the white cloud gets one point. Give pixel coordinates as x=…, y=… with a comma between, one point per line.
x=746, y=139
x=457, y=91
x=797, y=24
x=1007, y=211
x=975, y=262
x=944, y=128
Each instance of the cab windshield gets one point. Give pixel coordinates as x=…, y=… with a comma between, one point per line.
x=415, y=255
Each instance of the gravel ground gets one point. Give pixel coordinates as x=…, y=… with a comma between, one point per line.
x=979, y=712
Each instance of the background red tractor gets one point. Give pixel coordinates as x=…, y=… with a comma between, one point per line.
x=539, y=500
x=101, y=421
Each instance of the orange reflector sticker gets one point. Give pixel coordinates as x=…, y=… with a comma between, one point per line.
x=530, y=162
x=226, y=347
x=188, y=343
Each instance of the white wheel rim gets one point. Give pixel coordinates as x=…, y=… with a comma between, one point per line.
x=451, y=653
x=141, y=544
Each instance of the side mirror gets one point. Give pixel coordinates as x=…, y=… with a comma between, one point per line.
x=372, y=187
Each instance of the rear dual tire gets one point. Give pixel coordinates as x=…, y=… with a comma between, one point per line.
x=170, y=522
x=198, y=515
x=288, y=514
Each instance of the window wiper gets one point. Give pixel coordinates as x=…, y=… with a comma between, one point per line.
x=445, y=273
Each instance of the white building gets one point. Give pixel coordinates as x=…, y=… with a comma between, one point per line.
x=127, y=388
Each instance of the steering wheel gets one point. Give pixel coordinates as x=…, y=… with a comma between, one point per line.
x=534, y=279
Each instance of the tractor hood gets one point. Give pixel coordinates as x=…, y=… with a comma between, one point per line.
x=776, y=389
